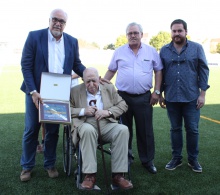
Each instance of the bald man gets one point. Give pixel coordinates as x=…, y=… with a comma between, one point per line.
x=90, y=102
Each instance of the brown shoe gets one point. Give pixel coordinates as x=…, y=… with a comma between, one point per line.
x=52, y=172
x=25, y=175
x=121, y=182
x=89, y=181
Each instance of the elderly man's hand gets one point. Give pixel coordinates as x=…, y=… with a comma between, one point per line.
x=101, y=114
x=90, y=110
x=154, y=99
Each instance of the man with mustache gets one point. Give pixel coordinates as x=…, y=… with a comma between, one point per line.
x=46, y=50
x=135, y=63
x=185, y=81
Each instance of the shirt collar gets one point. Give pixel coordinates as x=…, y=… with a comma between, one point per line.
x=139, y=47
x=170, y=45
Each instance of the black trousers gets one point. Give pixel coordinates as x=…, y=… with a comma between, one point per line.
x=140, y=109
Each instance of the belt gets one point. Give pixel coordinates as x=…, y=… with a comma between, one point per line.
x=133, y=95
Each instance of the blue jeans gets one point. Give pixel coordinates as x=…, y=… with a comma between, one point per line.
x=30, y=138
x=177, y=112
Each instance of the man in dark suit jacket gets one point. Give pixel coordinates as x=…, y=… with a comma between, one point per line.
x=46, y=50
x=109, y=105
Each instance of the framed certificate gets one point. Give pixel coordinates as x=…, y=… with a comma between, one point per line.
x=55, y=93
x=54, y=112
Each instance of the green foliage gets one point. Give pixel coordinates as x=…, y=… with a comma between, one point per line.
x=121, y=40
x=188, y=37
x=161, y=39
x=109, y=46
x=218, y=48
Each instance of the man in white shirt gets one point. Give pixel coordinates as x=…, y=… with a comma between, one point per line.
x=45, y=50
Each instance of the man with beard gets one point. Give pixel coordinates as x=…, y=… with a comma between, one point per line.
x=135, y=63
x=185, y=81
x=46, y=50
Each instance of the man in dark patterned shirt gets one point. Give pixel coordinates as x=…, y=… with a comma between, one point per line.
x=185, y=81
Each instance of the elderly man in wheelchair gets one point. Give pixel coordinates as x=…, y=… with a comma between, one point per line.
x=94, y=107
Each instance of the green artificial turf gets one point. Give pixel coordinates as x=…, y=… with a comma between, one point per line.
x=181, y=181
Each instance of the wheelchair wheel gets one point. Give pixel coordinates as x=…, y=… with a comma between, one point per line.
x=67, y=150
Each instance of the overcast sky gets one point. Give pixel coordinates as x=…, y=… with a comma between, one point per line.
x=102, y=21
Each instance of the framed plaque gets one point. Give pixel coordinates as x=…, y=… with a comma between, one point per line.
x=55, y=112
x=55, y=93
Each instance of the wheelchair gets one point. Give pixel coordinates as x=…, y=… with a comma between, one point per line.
x=71, y=152
x=68, y=150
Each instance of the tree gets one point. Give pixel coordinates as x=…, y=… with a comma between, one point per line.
x=161, y=39
x=121, y=40
x=109, y=46
x=218, y=48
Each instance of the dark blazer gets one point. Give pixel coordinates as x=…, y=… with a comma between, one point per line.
x=34, y=59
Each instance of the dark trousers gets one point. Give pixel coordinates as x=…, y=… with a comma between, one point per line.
x=30, y=138
x=140, y=109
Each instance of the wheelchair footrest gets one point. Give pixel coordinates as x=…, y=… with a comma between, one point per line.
x=113, y=187
x=95, y=188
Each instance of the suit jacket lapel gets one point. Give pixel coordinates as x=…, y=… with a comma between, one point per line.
x=67, y=50
x=83, y=96
x=44, y=45
x=105, y=98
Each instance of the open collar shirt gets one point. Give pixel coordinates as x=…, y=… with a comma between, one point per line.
x=97, y=97
x=135, y=72
x=184, y=73
x=56, y=54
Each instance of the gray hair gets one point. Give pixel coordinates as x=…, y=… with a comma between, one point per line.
x=58, y=10
x=134, y=24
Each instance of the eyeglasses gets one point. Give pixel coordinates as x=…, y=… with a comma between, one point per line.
x=133, y=33
x=55, y=20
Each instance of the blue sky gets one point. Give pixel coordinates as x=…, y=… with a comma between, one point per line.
x=102, y=21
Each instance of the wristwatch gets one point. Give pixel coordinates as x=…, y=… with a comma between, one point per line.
x=33, y=92
x=157, y=92
x=110, y=113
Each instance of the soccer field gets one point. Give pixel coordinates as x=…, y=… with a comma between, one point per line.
x=180, y=181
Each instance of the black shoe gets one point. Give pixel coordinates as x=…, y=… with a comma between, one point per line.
x=196, y=167
x=151, y=168
x=173, y=164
